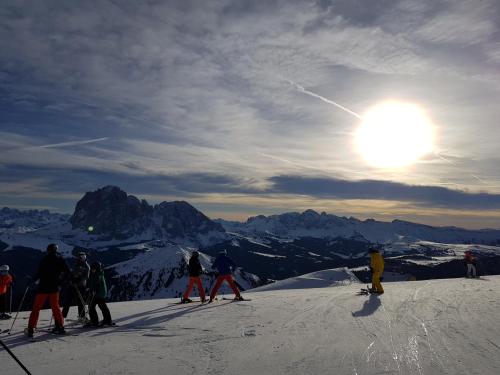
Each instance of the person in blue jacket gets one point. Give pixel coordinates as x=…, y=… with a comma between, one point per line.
x=225, y=267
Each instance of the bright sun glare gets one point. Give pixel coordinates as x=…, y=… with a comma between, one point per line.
x=394, y=134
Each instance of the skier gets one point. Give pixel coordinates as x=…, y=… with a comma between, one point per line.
x=225, y=266
x=377, y=268
x=76, y=290
x=99, y=291
x=51, y=272
x=5, y=284
x=470, y=260
x=195, y=270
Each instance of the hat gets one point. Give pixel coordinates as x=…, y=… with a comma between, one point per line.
x=4, y=269
x=223, y=252
x=96, y=266
x=52, y=248
x=81, y=255
x=195, y=254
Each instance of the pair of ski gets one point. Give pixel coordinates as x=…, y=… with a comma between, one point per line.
x=207, y=302
x=366, y=291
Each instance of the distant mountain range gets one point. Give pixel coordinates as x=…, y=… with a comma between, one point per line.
x=146, y=247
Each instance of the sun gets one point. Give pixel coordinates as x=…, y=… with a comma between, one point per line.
x=394, y=134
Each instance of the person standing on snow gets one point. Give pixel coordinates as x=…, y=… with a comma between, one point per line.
x=224, y=266
x=195, y=270
x=5, y=284
x=77, y=286
x=52, y=270
x=377, y=269
x=470, y=260
x=99, y=292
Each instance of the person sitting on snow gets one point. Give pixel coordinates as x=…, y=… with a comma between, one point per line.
x=470, y=260
x=5, y=284
x=195, y=270
x=224, y=266
x=377, y=268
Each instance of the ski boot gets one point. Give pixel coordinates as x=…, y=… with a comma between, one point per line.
x=29, y=332
x=58, y=330
x=186, y=300
x=239, y=298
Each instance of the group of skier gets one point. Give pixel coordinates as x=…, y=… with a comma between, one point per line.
x=84, y=284
x=224, y=266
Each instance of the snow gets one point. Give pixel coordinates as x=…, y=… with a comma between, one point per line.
x=268, y=255
x=424, y=327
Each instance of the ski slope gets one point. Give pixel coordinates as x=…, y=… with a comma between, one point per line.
x=426, y=327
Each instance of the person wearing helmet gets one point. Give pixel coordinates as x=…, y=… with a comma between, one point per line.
x=377, y=268
x=76, y=290
x=470, y=261
x=99, y=291
x=51, y=272
x=224, y=266
x=5, y=284
x=195, y=270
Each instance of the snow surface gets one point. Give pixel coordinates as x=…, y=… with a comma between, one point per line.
x=423, y=327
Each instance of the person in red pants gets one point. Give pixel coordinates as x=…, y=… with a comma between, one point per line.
x=52, y=270
x=195, y=270
x=225, y=266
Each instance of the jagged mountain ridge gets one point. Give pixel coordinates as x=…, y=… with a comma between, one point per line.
x=110, y=213
x=14, y=220
x=322, y=225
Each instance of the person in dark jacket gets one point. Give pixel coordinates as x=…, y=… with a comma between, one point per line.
x=224, y=266
x=76, y=290
x=470, y=260
x=99, y=291
x=51, y=272
x=195, y=270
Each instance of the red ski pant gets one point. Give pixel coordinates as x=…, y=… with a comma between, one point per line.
x=192, y=281
x=54, y=305
x=219, y=282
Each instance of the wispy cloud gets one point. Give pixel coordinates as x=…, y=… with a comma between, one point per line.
x=72, y=143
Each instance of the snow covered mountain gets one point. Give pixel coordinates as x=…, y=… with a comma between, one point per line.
x=434, y=327
x=17, y=221
x=312, y=224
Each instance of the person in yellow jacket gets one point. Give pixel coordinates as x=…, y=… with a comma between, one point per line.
x=377, y=268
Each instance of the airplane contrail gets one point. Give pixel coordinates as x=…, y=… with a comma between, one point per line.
x=73, y=143
x=326, y=100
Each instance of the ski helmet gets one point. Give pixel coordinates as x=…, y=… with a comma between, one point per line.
x=223, y=252
x=195, y=254
x=373, y=250
x=52, y=248
x=4, y=269
x=96, y=266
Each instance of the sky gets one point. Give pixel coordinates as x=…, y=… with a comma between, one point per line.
x=201, y=101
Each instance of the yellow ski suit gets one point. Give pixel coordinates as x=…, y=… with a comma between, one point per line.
x=377, y=265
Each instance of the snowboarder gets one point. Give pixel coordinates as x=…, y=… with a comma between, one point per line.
x=377, y=269
x=224, y=266
x=470, y=260
x=99, y=291
x=76, y=290
x=5, y=284
x=51, y=272
x=195, y=270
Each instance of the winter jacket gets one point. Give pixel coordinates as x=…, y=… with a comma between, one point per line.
x=97, y=284
x=80, y=274
x=5, y=281
x=469, y=258
x=224, y=265
x=195, y=269
x=51, y=273
x=377, y=262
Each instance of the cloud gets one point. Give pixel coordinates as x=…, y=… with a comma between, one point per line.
x=424, y=196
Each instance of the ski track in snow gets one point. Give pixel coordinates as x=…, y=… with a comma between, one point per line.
x=423, y=328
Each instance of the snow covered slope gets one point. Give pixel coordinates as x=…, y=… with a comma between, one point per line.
x=428, y=327
x=318, y=279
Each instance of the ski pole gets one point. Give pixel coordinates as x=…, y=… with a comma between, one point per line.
x=19, y=309
x=10, y=304
x=15, y=358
